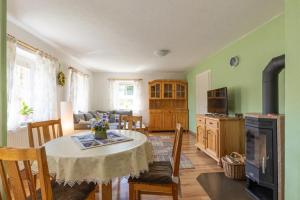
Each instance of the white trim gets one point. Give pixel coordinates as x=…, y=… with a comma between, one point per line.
x=203, y=83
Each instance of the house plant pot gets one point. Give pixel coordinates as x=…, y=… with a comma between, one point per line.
x=101, y=134
x=100, y=128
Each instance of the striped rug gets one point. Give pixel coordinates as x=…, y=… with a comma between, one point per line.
x=162, y=151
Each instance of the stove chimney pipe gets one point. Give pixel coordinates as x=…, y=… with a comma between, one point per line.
x=270, y=85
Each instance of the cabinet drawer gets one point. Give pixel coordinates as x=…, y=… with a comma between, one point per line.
x=212, y=123
x=200, y=120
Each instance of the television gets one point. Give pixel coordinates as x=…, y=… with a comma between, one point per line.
x=217, y=101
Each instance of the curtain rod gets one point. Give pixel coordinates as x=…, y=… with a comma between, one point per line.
x=29, y=47
x=125, y=79
x=78, y=71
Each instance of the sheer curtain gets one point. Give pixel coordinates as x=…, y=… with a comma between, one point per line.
x=12, y=101
x=44, y=89
x=78, y=92
x=137, y=100
x=113, y=94
x=37, y=87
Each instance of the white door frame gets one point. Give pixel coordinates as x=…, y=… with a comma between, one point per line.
x=203, y=82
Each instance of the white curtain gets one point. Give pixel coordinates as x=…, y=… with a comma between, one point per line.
x=78, y=92
x=41, y=93
x=12, y=101
x=137, y=100
x=44, y=88
x=113, y=94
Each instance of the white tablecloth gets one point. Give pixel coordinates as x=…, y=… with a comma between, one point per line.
x=100, y=165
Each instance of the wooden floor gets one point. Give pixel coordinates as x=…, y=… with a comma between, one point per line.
x=191, y=189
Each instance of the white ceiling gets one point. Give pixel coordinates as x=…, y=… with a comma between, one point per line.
x=121, y=35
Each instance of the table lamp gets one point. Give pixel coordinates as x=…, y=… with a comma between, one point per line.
x=66, y=115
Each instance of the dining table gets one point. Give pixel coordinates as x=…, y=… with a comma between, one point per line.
x=70, y=164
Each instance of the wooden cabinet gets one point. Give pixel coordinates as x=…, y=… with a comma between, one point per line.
x=212, y=141
x=168, y=99
x=219, y=136
x=168, y=90
x=180, y=91
x=168, y=120
x=200, y=136
x=156, y=120
x=181, y=116
x=155, y=90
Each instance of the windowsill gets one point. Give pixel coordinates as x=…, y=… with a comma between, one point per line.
x=19, y=129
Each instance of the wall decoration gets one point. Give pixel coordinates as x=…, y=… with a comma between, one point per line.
x=234, y=61
x=61, y=79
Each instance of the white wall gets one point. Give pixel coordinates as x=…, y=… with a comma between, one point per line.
x=100, y=91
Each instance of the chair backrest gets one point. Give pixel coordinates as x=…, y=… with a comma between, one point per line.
x=11, y=161
x=128, y=122
x=125, y=122
x=176, y=153
x=44, y=133
x=137, y=122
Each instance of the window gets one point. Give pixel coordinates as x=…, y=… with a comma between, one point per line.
x=125, y=95
x=24, y=62
x=32, y=90
x=19, y=87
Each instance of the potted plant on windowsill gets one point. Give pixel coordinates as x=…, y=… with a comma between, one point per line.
x=100, y=129
x=26, y=113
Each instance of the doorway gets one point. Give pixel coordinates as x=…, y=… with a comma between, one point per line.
x=203, y=83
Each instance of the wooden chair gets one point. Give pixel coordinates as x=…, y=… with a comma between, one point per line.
x=162, y=178
x=128, y=122
x=137, y=122
x=15, y=187
x=124, y=122
x=44, y=132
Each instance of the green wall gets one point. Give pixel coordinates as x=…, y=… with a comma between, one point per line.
x=292, y=96
x=3, y=112
x=244, y=82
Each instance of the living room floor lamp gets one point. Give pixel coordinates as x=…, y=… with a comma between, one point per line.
x=66, y=115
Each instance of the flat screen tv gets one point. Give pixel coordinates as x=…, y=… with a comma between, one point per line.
x=217, y=101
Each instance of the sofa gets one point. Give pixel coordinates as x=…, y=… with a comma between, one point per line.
x=84, y=120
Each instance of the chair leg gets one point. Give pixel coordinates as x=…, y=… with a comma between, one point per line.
x=92, y=195
x=175, y=191
x=139, y=195
x=179, y=188
x=131, y=192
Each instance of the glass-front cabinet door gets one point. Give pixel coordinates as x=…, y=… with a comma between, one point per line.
x=180, y=91
x=168, y=90
x=155, y=90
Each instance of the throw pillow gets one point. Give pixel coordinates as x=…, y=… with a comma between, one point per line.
x=78, y=117
x=88, y=116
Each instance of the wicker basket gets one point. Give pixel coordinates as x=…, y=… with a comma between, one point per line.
x=234, y=171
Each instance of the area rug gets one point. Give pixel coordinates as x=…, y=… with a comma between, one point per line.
x=219, y=187
x=162, y=151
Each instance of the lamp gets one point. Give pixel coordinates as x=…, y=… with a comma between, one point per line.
x=66, y=115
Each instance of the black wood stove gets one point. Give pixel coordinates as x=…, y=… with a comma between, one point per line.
x=262, y=139
x=261, y=157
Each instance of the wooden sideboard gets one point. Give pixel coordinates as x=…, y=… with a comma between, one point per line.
x=219, y=136
x=167, y=105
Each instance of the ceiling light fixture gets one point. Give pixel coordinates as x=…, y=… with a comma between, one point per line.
x=162, y=52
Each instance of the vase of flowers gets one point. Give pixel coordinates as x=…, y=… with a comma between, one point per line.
x=100, y=129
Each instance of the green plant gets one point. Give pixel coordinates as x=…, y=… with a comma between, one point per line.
x=25, y=109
